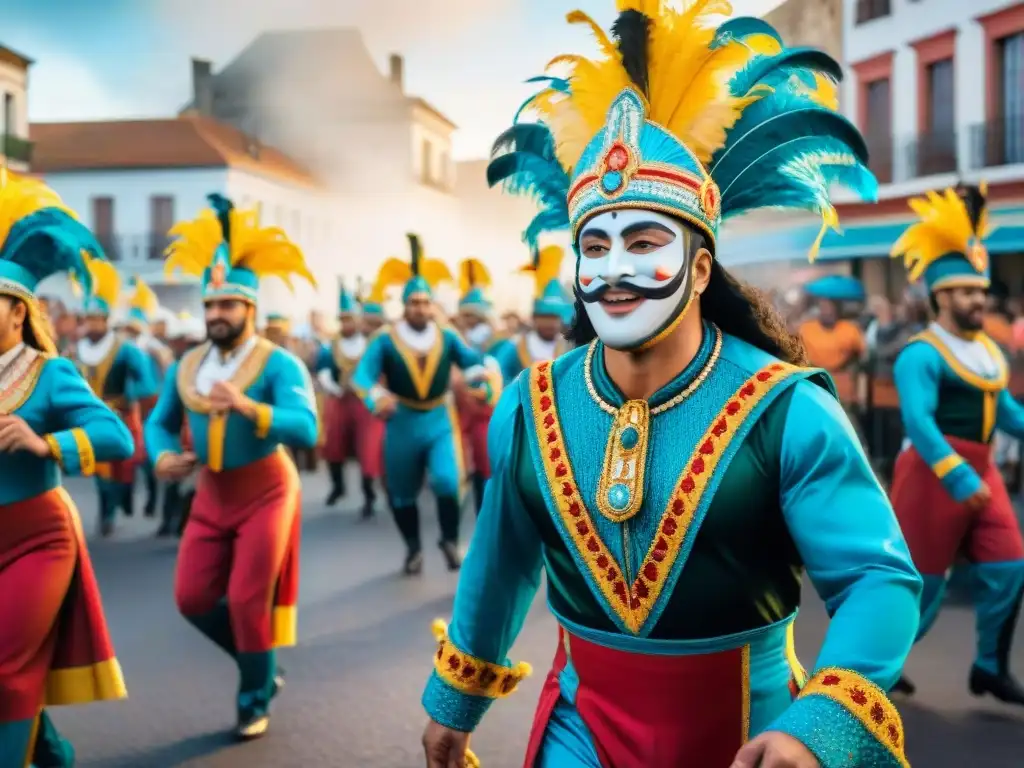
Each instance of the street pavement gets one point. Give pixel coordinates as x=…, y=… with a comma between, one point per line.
x=354, y=682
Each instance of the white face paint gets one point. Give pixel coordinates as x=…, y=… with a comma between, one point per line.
x=634, y=284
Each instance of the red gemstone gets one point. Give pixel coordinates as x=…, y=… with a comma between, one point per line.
x=669, y=526
x=720, y=427
x=543, y=366
x=582, y=528
x=560, y=470
x=859, y=697
x=545, y=403
x=612, y=575
x=567, y=489
x=620, y=591
x=687, y=485
x=732, y=408
x=777, y=367
x=640, y=590
x=877, y=713
x=617, y=158
x=555, y=454
x=549, y=420
x=748, y=390
x=697, y=466
x=764, y=376
x=634, y=603
x=453, y=662
x=708, y=447
x=487, y=677
x=552, y=437
x=678, y=507
x=651, y=572
x=574, y=508
x=659, y=554
x=830, y=680
x=602, y=561
x=542, y=384
x=468, y=670
x=894, y=735
x=592, y=545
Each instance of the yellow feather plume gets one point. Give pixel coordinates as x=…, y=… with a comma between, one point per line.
x=392, y=272
x=435, y=272
x=547, y=268
x=265, y=251
x=688, y=79
x=21, y=196
x=944, y=227
x=106, y=282
x=144, y=298
x=473, y=274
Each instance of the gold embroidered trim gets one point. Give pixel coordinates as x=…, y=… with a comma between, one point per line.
x=525, y=358
x=625, y=463
x=422, y=376
x=865, y=701
x=97, y=374
x=264, y=417
x=55, y=450
x=346, y=365
x=471, y=675
x=633, y=604
x=86, y=455
x=943, y=467
x=216, y=431
x=22, y=381
x=987, y=385
x=421, y=405
x=244, y=377
x=989, y=410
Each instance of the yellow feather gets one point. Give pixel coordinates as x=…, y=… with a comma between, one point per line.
x=607, y=47
x=21, y=196
x=144, y=298
x=106, y=282
x=435, y=272
x=944, y=227
x=393, y=272
x=473, y=274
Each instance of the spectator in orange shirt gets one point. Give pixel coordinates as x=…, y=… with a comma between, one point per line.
x=836, y=345
x=996, y=325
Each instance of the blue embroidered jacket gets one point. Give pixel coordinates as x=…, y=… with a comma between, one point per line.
x=940, y=398
x=514, y=357
x=271, y=376
x=751, y=473
x=124, y=376
x=55, y=401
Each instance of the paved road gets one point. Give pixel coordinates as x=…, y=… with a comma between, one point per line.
x=354, y=682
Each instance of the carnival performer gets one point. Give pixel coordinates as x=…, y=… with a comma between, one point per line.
x=242, y=397
x=278, y=329
x=477, y=324
x=415, y=357
x=372, y=309
x=947, y=491
x=351, y=431
x=675, y=475
x=142, y=307
x=122, y=375
x=543, y=341
x=54, y=645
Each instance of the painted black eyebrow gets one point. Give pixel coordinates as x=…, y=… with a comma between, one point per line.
x=642, y=226
x=594, y=232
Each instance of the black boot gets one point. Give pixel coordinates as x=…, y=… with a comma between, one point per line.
x=408, y=521
x=369, y=498
x=904, y=686
x=479, y=484
x=337, y=475
x=127, y=498
x=152, y=491
x=1002, y=685
x=448, y=510
x=169, y=510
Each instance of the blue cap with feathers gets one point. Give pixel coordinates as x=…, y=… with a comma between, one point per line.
x=680, y=117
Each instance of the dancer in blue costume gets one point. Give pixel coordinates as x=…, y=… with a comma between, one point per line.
x=122, y=375
x=676, y=475
x=947, y=491
x=415, y=358
x=544, y=340
x=54, y=645
x=243, y=398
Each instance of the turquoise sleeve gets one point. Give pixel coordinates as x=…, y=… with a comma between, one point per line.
x=142, y=380
x=507, y=355
x=162, y=431
x=463, y=355
x=324, y=358
x=1010, y=415
x=293, y=413
x=856, y=557
x=917, y=374
x=368, y=371
x=499, y=578
x=87, y=431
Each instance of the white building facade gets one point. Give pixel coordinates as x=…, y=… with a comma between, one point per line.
x=15, y=147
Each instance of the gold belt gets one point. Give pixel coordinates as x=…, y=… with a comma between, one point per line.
x=422, y=405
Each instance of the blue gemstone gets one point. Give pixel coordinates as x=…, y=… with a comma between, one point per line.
x=629, y=438
x=618, y=496
x=611, y=181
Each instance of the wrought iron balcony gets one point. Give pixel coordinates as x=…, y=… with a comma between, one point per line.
x=998, y=142
x=16, y=148
x=880, y=157
x=931, y=153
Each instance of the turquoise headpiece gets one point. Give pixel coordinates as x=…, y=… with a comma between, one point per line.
x=347, y=303
x=220, y=279
x=418, y=276
x=726, y=121
x=137, y=317
x=552, y=301
x=954, y=270
x=372, y=308
x=475, y=301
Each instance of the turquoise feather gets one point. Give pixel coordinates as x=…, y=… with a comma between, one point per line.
x=790, y=60
x=49, y=241
x=743, y=27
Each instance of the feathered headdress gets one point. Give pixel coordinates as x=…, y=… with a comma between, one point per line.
x=473, y=279
x=231, y=251
x=347, y=303
x=106, y=286
x=142, y=304
x=372, y=303
x=946, y=246
x=546, y=267
x=418, y=275
x=700, y=123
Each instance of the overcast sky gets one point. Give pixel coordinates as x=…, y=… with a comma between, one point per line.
x=131, y=59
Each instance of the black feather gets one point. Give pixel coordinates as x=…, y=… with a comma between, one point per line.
x=974, y=201
x=631, y=31
x=222, y=207
x=414, y=253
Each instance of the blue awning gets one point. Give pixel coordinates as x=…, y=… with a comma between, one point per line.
x=858, y=241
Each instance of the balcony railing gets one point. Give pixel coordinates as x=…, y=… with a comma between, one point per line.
x=158, y=242
x=931, y=153
x=16, y=148
x=867, y=10
x=998, y=142
x=134, y=249
x=880, y=157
